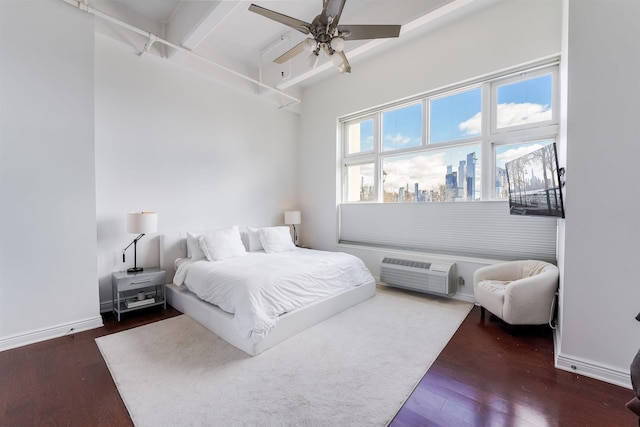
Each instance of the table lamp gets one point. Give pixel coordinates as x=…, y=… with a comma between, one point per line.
x=139, y=223
x=293, y=218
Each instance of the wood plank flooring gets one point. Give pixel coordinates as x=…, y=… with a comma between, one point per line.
x=492, y=375
x=484, y=377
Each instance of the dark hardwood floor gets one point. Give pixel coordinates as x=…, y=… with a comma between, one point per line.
x=65, y=381
x=492, y=375
x=484, y=377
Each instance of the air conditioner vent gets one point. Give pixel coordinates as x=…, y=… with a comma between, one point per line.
x=431, y=277
x=407, y=263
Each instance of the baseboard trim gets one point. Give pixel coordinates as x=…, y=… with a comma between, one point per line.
x=594, y=370
x=57, y=331
x=106, y=306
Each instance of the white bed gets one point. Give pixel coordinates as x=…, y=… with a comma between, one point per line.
x=173, y=247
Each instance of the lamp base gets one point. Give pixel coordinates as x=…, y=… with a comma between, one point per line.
x=134, y=269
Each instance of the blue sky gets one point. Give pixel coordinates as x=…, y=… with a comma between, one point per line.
x=448, y=112
x=454, y=117
x=535, y=91
x=402, y=127
x=458, y=116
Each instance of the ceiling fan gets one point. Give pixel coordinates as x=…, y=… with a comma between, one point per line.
x=327, y=35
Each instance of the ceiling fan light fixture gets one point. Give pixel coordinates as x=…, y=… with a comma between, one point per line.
x=312, y=60
x=337, y=44
x=327, y=35
x=309, y=45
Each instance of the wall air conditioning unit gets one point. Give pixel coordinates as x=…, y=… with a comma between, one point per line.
x=430, y=277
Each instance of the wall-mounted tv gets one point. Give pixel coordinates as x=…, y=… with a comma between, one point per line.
x=534, y=184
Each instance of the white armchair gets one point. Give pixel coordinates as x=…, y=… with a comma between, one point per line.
x=518, y=292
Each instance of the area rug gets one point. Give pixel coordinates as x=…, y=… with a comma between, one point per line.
x=354, y=369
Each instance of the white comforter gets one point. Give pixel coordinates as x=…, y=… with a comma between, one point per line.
x=258, y=287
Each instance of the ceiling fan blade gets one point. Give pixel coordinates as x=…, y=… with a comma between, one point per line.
x=294, y=51
x=363, y=32
x=345, y=67
x=294, y=23
x=333, y=8
x=342, y=63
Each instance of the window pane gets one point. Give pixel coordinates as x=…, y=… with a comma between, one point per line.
x=506, y=153
x=524, y=102
x=402, y=128
x=456, y=116
x=359, y=136
x=360, y=183
x=434, y=176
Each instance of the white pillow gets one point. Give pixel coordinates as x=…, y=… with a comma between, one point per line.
x=254, y=239
x=276, y=239
x=244, y=236
x=222, y=244
x=193, y=247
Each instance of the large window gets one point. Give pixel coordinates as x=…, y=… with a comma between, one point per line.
x=402, y=127
x=456, y=116
x=451, y=145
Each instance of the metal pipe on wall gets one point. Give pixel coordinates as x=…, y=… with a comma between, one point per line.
x=153, y=38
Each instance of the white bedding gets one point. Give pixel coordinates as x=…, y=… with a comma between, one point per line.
x=259, y=287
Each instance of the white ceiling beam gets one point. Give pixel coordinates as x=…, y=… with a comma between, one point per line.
x=194, y=21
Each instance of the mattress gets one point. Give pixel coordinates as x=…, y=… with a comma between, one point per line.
x=221, y=323
x=295, y=319
x=258, y=287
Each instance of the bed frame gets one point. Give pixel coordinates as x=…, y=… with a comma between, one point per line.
x=174, y=245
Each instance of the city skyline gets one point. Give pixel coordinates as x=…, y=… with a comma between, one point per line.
x=416, y=174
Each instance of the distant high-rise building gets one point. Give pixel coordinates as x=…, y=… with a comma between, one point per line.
x=401, y=194
x=471, y=176
x=451, y=184
x=461, y=173
x=501, y=182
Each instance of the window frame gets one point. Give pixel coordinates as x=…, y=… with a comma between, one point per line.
x=489, y=137
x=423, y=125
x=375, y=135
x=445, y=94
x=376, y=181
x=521, y=77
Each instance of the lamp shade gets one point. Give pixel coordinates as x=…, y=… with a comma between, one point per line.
x=292, y=217
x=142, y=222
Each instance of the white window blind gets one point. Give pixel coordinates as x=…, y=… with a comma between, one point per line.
x=480, y=229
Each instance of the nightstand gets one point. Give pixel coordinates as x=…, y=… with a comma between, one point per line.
x=135, y=291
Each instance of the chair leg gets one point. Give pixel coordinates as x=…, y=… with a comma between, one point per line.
x=482, y=310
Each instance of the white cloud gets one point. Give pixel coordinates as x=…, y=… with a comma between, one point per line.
x=511, y=114
x=472, y=126
x=518, y=114
x=397, y=141
x=516, y=152
x=425, y=170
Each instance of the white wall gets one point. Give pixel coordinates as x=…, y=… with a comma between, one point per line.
x=601, y=294
x=199, y=153
x=48, y=274
x=205, y=156
x=503, y=35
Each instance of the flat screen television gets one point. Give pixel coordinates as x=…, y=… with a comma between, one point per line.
x=534, y=184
